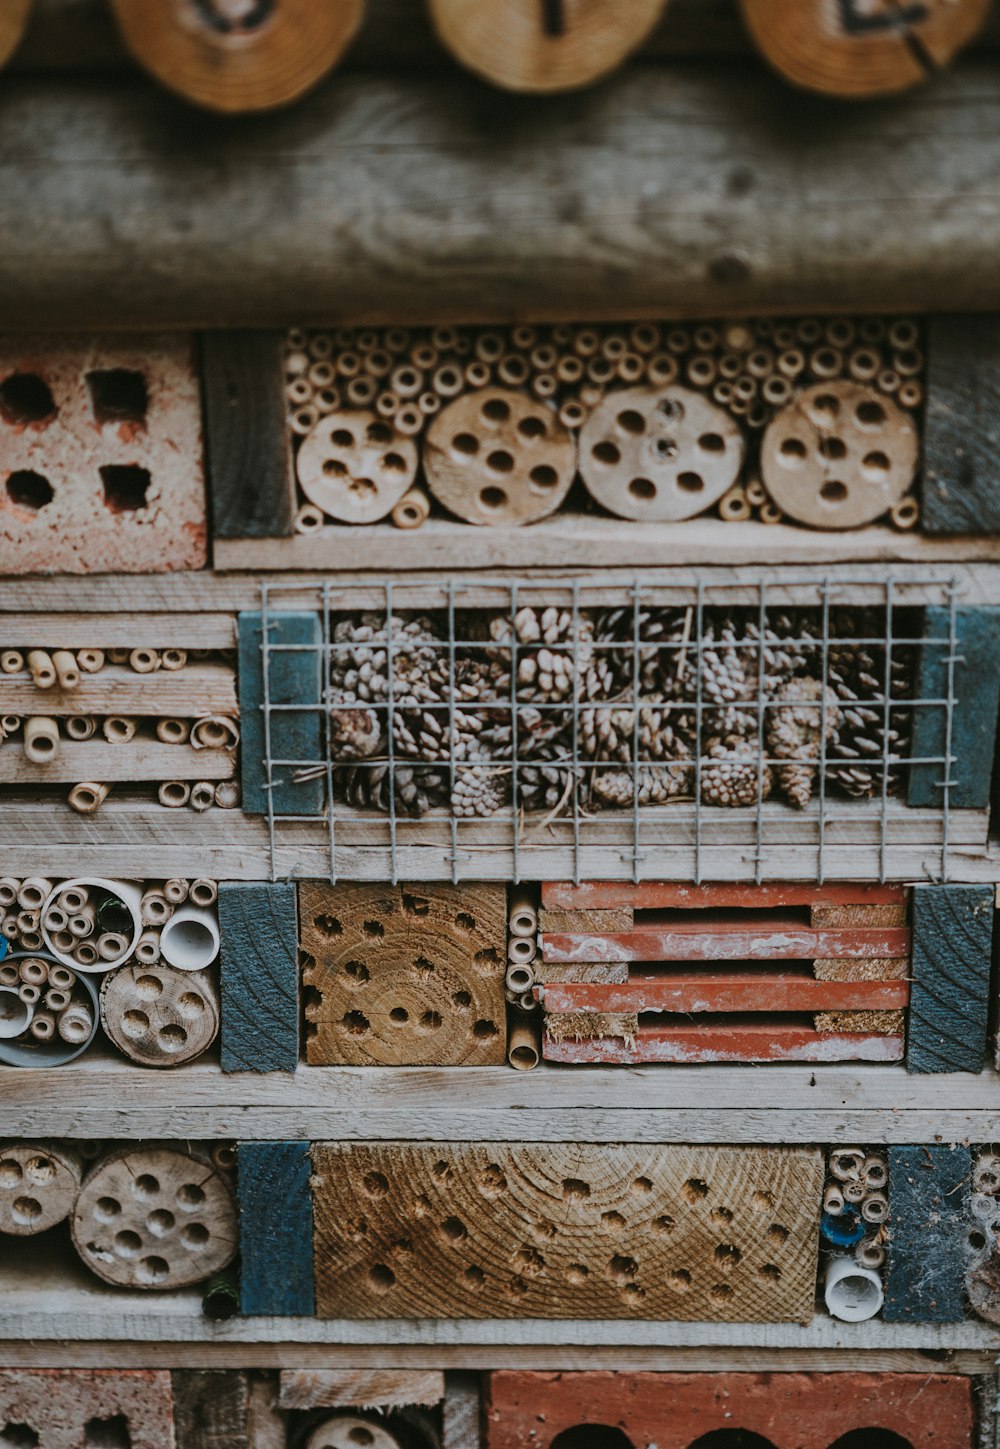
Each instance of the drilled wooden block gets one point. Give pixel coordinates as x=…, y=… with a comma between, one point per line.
x=404, y=975
x=566, y=1230
x=786, y=1410
x=86, y=1408
x=101, y=467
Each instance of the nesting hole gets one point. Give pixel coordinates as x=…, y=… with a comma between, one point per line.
x=26, y=398
x=342, y=437
x=577, y=1273
x=495, y=410
x=415, y=905
x=18, y=1436
x=399, y=1016
x=118, y=395
x=146, y=1185
x=777, y=1235
x=491, y=497
x=355, y=1023
x=487, y=960
x=622, y=1269
x=500, y=461
x=127, y=1244
x=727, y=1256
x=762, y=1200
x=328, y=926
x=462, y=999
x=770, y=1272
x=679, y=1281
x=195, y=1236
x=876, y=463
x=574, y=1189
x=833, y=491
x=606, y=452
x=374, y=930
x=106, y=1209
x=612, y=1222
x=26, y=1209
x=833, y=449
x=453, y=1231
x=663, y=1225
x=161, y=1222
x=126, y=486
x=172, y=1038
x=695, y=1190
x=191, y=1195
x=233, y=16
x=485, y=1030
x=375, y=1184
x=431, y=1021
x=532, y=427
x=378, y=433
x=357, y=972
x=712, y=443
x=394, y=463
x=529, y=1261
x=381, y=1278
x=690, y=482
x=28, y=489
x=422, y=965
x=474, y=1277
x=870, y=414
x=827, y=403
x=721, y=1215
x=544, y=476
x=792, y=450
x=334, y=468
x=642, y=488
x=492, y=1181
x=977, y=1240
x=631, y=421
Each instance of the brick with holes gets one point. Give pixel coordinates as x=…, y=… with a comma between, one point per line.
x=86, y=1409
x=101, y=466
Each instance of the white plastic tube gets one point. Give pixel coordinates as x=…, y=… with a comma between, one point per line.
x=852, y=1292
x=127, y=891
x=190, y=939
x=15, y=1014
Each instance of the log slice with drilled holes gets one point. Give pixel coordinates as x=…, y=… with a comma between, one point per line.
x=38, y=1186
x=158, y=1016
x=659, y=454
x=355, y=466
x=839, y=455
x=499, y=457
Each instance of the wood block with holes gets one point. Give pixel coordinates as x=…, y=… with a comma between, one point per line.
x=74, y=1409
x=786, y=1410
x=404, y=975
x=101, y=465
x=567, y=1230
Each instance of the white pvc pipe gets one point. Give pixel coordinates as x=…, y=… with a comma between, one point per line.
x=190, y=939
x=852, y=1292
x=126, y=891
x=15, y=1014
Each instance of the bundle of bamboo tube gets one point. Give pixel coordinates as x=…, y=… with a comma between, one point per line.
x=855, y=1210
x=524, y=1021
x=42, y=1002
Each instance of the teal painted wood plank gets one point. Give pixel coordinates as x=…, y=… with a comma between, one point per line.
x=951, y=960
x=974, y=718
x=961, y=488
x=258, y=924
x=276, y=1229
x=928, y=1229
x=295, y=677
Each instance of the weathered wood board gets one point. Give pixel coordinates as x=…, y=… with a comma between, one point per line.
x=951, y=970
x=732, y=940
x=929, y=1225
x=258, y=925
x=653, y=895
x=970, y=675
x=739, y=1042
x=498, y=1231
x=276, y=1229
x=294, y=677
x=362, y=1388
x=961, y=488
x=211, y=1409
x=246, y=441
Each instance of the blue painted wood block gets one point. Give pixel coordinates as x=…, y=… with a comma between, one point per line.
x=950, y=967
x=276, y=1229
x=928, y=1229
x=258, y=924
x=974, y=717
x=295, y=678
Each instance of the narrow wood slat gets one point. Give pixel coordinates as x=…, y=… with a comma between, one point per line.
x=706, y=942
x=755, y=1042
x=728, y=993
x=657, y=895
x=97, y=760
x=196, y=689
x=119, y=631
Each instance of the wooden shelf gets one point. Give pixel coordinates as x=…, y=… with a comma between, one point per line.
x=102, y=1098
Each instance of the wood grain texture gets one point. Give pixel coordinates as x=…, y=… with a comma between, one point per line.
x=196, y=689
x=951, y=966
x=491, y=1231
x=962, y=424
x=462, y=1411
x=404, y=975
x=211, y=1409
x=975, y=680
x=246, y=440
x=665, y=895
x=470, y=212
x=737, y=1042
x=294, y=678
x=23, y=629
x=259, y=971
x=592, y=922
x=366, y=1388
x=928, y=1231
x=724, y=940
x=726, y=992
x=276, y=1229
x=141, y=759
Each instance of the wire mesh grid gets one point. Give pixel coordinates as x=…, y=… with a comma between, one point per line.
x=696, y=730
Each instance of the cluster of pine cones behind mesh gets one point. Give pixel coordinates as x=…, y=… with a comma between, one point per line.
x=558, y=711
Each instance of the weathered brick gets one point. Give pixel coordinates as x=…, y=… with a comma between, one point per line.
x=72, y=407
x=87, y=1408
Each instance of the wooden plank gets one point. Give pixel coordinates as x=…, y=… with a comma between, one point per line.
x=211, y=1409
x=950, y=966
x=928, y=1231
x=462, y=1411
x=621, y=918
x=247, y=442
x=26, y=630
x=746, y=1042
x=276, y=1229
x=140, y=759
x=962, y=424
x=696, y=940
x=497, y=1231
x=196, y=689
x=661, y=895
x=260, y=977
x=294, y=678
x=730, y=992
x=474, y=218
x=344, y=1388
x=971, y=738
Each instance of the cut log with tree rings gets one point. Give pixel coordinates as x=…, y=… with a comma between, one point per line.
x=159, y=1016
x=858, y=48
x=499, y=457
x=659, y=454
x=839, y=455
x=155, y=1217
x=543, y=45
x=14, y=17
x=351, y=1431
x=238, y=55
x=38, y=1186
x=356, y=466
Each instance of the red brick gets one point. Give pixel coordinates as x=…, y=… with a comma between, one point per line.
x=79, y=530
x=58, y=1404
x=792, y=1410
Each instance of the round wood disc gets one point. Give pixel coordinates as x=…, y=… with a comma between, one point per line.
x=160, y=1016
x=839, y=455
x=14, y=16
x=238, y=55
x=499, y=457
x=38, y=1187
x=857, y=48
x=543, y=45
x=355, y=466
x=155, y=1217
x=659, y=454
x=348, y=1431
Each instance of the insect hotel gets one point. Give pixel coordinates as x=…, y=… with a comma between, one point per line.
x=499, y=702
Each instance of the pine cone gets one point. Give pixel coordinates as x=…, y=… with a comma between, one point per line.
x=355, y=733
x=649, y=785
x=731, y=773
x=857, y=674
x=418, y=788
x=555, y=657
x=360, y=662
x=795, y=733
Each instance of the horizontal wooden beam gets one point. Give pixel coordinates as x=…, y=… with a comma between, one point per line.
x=724, y=941
x=725, y=992
x=97, y=760
x=197, y=689
x=688, y=190
x=756, y=1042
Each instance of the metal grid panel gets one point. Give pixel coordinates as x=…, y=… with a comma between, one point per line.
x=411, y=801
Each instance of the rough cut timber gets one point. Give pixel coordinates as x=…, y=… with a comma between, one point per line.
x=404, y=975
x=747, y=1041
x=462, y=1411
x=101, y=464
x=276, y=1229
x=951, y=967
x=962, y=424
x=653, y=895
x=259, y=974
x=566, y=1231
x=197, y=689
x=211, y=1409
x=246, y=442
x=673, y=1411
x=76, y=1409
x=928, y=1234
x=363, y=1388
